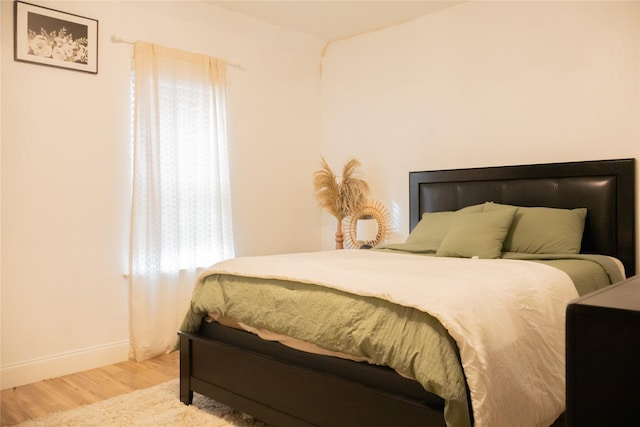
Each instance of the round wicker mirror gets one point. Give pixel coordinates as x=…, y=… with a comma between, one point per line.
x=372, y=210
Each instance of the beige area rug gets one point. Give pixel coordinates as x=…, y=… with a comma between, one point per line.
x=155, y=406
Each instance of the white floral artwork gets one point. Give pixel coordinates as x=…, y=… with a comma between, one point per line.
x=58, y=45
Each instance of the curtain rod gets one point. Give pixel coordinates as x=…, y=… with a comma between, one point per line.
x=117, y=39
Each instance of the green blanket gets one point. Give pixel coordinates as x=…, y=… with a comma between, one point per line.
x=410, y=341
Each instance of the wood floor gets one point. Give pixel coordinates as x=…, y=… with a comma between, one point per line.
x=60, y=394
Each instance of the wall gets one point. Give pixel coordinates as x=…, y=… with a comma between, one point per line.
x=478, y=84
x=65, y=173
x=483, y=84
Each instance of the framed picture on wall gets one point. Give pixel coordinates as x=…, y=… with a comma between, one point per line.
x=58, y=39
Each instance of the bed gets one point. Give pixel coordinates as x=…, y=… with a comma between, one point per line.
x=285, y=386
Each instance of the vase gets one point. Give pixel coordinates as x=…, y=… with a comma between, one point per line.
x=339, y=236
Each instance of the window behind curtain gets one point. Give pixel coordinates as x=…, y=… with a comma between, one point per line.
x=181, y=210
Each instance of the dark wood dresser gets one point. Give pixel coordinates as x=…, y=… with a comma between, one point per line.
x=603, y=357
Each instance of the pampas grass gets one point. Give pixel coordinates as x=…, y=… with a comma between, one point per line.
x=340, y=198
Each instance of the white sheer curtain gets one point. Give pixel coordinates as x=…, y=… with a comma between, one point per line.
x=181, y=208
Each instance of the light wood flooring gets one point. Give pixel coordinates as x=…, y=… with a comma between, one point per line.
x=31, y=401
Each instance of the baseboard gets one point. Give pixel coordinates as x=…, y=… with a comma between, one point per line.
x=21, y=373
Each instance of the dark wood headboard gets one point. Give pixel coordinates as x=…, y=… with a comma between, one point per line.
x=606, y=188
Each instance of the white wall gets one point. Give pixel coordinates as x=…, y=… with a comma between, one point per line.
x=478, y=84
x=65, y=173
x=483, y=84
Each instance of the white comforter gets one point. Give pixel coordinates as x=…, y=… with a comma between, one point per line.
x=507, y=317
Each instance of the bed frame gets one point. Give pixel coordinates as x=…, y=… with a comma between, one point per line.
x=286, y=387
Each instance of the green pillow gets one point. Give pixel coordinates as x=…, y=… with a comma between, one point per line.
x=477, y=234
x=540, y=230
x=433, y=226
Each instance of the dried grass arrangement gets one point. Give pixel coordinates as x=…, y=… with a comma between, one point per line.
x=342, y=197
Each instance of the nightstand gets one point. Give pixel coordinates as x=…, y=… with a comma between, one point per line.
x=603, y=357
